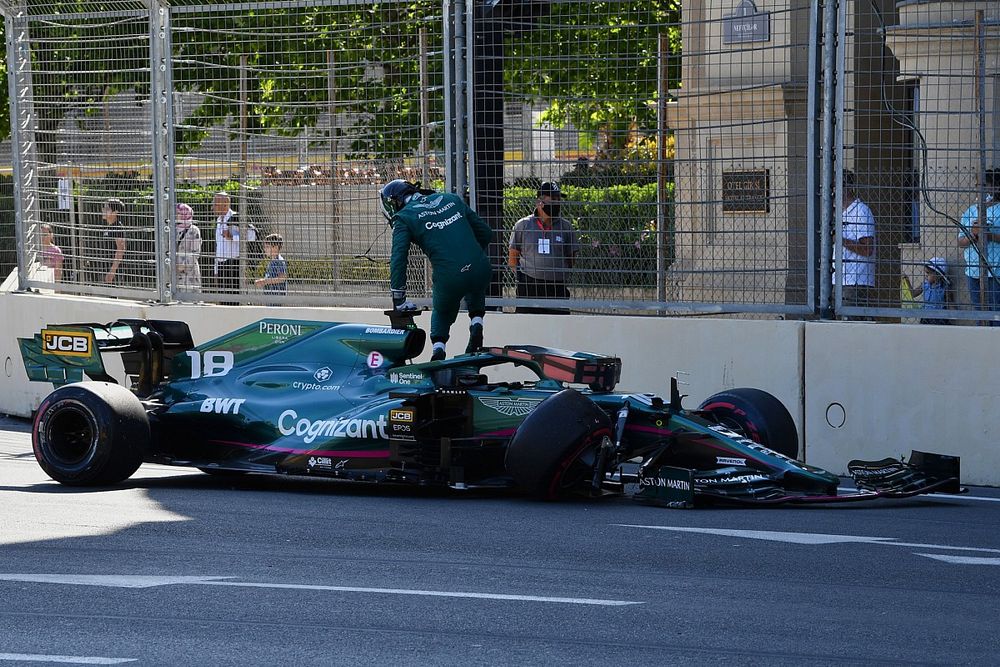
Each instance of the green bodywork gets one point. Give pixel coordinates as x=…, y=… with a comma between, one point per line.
x=344, y=400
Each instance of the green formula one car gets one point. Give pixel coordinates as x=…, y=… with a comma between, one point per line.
x=345, y=401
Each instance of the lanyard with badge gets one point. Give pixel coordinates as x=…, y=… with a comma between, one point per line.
x=544, y=244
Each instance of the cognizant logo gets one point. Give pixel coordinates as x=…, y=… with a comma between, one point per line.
x=441, y=224
x=308, y=430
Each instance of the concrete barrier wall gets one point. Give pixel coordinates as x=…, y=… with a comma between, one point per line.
x=856, y=390
x=875, y=390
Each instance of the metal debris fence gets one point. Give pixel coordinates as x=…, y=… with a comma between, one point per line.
x=700, y=149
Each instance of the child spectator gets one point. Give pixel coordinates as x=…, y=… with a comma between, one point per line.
x=52, y=255
x=934, y=288
x=275, y=278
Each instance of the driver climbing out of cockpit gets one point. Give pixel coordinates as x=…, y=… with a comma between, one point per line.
x=454, y=238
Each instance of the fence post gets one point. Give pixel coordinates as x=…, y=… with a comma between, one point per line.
x=22, y=129
x=985, y=272
x=662, y=84
x=448, y=66
x=458, y=96
x=425, y=110
x=827, y=168
x=162, y=136
x=813, y=165
x=331, y=108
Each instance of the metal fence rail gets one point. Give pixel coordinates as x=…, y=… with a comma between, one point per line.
x=700, y=149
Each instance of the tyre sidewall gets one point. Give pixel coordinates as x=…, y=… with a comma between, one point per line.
x=119, y=432
x=758, y=416
x=550, y=440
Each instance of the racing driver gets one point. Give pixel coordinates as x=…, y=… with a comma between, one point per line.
x=454, y=238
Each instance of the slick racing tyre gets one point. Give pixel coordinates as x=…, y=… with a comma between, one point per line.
x=90, y=434
x=757, y=415
x=554, y=450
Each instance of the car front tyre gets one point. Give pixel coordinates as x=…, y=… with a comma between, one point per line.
x=755, y=414
x=553, y=453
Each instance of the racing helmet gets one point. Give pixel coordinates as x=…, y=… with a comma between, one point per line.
x=394, y=196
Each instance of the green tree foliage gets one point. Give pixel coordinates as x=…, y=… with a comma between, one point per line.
x=374, y=51
x=595, y=65
x=78, y=63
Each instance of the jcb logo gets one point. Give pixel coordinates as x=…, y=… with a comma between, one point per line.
x=397, y=415
x=67, y=343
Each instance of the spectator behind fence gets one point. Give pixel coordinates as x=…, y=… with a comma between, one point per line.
x=454, y=238
x=227, y=247
x=935, y=289
x=858, y=247
x=113, y=243
x=51, y=254
x=275, y=280
x=188, y=250
x=972, y=232
x=541, y=250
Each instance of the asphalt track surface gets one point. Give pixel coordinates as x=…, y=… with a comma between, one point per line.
x=176, y=567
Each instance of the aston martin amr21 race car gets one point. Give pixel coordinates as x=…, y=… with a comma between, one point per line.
x=345, y=401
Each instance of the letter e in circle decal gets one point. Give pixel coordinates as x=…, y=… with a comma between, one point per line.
x=375, y=359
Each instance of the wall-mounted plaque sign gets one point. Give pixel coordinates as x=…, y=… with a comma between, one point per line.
x=746, y=191
x=746, y=24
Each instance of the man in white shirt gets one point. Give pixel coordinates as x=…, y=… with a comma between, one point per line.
x=858, y=244
x=227, y=246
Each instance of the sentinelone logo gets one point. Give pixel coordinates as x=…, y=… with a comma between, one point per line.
x=309, y=430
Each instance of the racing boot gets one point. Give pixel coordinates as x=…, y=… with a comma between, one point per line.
x=475, y=339
x=438, y=353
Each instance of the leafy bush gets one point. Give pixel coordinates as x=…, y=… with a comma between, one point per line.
x=365, y=270
x=320, y=271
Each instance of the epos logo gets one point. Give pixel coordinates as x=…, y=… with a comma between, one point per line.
x=67, y=343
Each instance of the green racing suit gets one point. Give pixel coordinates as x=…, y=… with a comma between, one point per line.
x=454, y=238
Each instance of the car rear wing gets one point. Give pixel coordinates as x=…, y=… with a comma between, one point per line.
x=65, y=353
x=597, y=372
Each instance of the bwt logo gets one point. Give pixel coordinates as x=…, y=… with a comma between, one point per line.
x=222, y=406
x=67, y=343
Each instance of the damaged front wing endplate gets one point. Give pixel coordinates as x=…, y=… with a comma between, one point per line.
x=886, y=478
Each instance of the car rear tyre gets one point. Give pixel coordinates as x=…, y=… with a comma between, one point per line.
x=757, y=415
x=554, y=451
x=90, y=434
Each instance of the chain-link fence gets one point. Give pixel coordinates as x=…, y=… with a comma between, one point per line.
x=698, y=150
x=921, y=109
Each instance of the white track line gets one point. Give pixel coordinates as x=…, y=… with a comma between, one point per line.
x=66, y=659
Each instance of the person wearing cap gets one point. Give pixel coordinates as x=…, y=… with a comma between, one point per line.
x=188, y=251
x=974, y=238
x=934, y=289
x=541, y=249
x=857, y=246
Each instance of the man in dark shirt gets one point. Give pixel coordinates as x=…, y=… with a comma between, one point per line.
x=113, y=244
x=541, y=250
x=454, y=238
